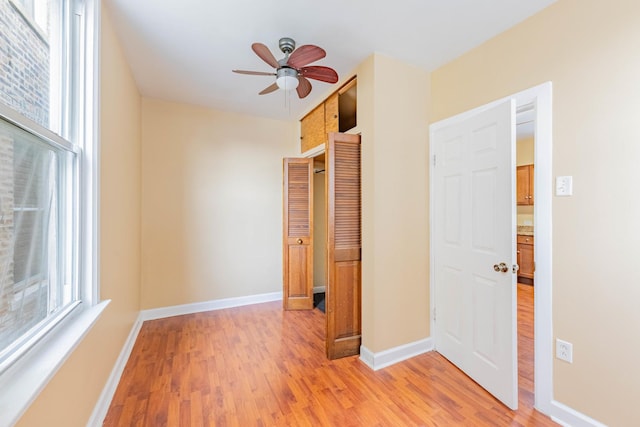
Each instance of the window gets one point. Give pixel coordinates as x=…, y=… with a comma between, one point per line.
x=36, y=11
x=38, y=282
x=45, y=142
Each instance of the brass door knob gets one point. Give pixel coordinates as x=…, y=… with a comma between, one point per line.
x=502, y=267
x=299, y=241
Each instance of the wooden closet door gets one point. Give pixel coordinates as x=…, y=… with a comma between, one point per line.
x=298, y=234
x=344, y=226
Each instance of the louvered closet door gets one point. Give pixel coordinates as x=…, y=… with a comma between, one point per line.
x=344, y=226
x=298, y=234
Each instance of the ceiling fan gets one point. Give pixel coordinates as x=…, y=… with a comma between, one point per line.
x=292, y=71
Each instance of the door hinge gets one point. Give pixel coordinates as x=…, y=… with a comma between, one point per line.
x=434, y=160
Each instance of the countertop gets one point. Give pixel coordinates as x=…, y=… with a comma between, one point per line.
x=525, y=230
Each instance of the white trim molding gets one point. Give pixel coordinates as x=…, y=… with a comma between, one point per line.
x=197, y=307
x=566, y=416
x=541, y=97
x=395, y=355
x=315, y=151
x=319, y=289
x=22, y=382
x=104, y=401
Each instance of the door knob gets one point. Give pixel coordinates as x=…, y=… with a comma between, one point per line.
x=299, y=241
x=502, y=267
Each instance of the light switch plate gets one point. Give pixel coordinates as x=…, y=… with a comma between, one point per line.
x=564, y=186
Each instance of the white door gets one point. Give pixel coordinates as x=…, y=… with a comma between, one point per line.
x=474, y=226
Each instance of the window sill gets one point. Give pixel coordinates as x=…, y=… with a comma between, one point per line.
x=21, y=384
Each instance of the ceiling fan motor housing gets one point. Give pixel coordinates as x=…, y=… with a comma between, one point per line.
x=286, y=71
x=287, y=45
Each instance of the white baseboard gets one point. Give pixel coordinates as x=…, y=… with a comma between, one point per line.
x=394, y=355
x=102, y=406
x=178, y=310
x=566, y=416
x=319, y=289
x=560, y=413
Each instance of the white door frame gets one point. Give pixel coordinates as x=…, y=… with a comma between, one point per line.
x=541, y=97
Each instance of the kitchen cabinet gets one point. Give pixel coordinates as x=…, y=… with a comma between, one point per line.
x=524, y=185
x=525, y=258
x=337, y=113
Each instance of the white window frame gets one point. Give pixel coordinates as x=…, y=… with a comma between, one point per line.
x=29, y=14
x=21, y=383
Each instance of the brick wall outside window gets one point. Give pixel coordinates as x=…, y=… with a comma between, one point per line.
x=24, y=86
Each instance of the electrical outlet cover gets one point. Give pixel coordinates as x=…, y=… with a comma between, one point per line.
x=564, y=350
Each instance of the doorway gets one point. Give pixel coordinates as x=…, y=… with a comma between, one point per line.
x=343, y=237
x=541, y=97
x=320, y=232
x=525, y=241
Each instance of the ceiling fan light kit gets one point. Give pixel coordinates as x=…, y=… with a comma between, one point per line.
x=287, y=78
x=292, y=71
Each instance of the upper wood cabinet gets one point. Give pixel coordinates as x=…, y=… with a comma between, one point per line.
x=524, y=185
x=337, y=113
x=331, y=114
x=312, y=128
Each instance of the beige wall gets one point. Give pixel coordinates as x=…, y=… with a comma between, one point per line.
x=588, y=50
x=393, y=118
x=70, y=397
x=211, y=203
x=525, y=155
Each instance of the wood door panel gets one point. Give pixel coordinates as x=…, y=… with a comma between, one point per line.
x=347, y=254
x=347, y=299
x=298, y=234
x=297, y=271
x=312, y=129
x=531, y=184
x=526, y=261
x=331, y=114
x=522, y=185
x=344, y=225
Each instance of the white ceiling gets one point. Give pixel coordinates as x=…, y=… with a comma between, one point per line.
x=184, y=51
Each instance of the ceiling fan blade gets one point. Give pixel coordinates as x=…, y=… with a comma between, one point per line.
x=304, y=87
x=305, y=55
x=269, y=89
x=318, y=72
x=254, y=73
x=265, y=54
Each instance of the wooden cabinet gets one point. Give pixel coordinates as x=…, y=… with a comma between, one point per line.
x=331, y=114
x=524, y=185
x=312, y=129
x=525, y=258
x=315, y=126
x=328, y=117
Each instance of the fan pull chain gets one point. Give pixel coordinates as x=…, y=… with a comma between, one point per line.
x=287, y=101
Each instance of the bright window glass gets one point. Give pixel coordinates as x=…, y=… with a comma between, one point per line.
x=39, y=158
x=33, y=59
x=37, y=232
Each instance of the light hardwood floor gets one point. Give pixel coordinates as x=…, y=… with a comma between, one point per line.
x=260, y=366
